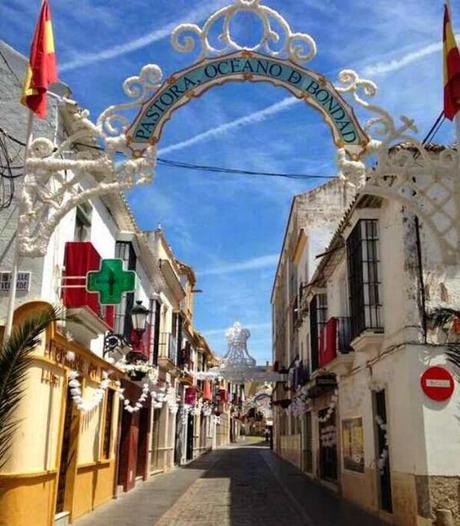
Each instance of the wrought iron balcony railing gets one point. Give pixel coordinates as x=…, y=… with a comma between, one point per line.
x=168, y=346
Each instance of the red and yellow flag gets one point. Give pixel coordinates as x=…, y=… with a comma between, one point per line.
x=451, y=69
x=41, y=71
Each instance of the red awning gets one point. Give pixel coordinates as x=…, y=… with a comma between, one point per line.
x=207, y=393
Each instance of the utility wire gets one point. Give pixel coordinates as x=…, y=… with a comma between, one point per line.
x=169, y=163
x=219, y=169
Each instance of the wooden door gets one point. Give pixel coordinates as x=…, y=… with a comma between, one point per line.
x=68, y=458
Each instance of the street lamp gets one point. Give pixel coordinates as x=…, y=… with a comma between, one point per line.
x=139, y=315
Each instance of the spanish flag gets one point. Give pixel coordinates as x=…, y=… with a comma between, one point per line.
x=41, y=71
x=451, y=69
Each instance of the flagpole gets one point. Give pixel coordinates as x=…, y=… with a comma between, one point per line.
x=16, y=257
x=457, y=116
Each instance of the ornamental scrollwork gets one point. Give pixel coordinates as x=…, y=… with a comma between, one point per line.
x=276, y=41
x=98, y=158
x=57, y=179
x=111, y=123
x=383, y=125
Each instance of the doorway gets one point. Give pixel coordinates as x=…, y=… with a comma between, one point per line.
x=382, y=452
x=179, y=440
x=190, y=437
x=141, y=467
x=328, y=447
x=68, y=458
x=307, y=443
x=155, y=442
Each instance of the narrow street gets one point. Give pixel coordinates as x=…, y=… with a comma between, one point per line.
x=239, y=485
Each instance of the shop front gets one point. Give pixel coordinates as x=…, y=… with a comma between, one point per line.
x=324, y=395
x=62, y=461
x=134, y=439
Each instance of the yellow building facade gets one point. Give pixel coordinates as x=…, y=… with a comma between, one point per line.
x=62, y=463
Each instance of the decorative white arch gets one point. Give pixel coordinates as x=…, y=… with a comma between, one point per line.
x=427, y=182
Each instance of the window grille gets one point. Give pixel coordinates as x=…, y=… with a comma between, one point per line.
x=363, y=277
x=318, y=319
x=123, y=325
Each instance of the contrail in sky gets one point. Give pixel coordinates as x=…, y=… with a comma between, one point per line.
x=252, y=118
x=85, y=59
x=381, y=68
x=249, y=264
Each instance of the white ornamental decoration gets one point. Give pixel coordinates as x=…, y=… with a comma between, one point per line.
x=86, y=406
x=137, y=406
x=57, y=179
x=277, y=39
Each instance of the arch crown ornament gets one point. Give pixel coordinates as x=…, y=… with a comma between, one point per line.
x=56, y=181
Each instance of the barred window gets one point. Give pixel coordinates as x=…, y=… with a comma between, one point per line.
x=123, y=325
x=318, y=319
x=363, y=277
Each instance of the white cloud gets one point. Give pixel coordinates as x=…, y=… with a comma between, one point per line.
x=252, y=118
x=249, y=264
x=381, y=68
x=86, y=59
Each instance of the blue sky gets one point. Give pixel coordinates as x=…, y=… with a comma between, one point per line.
x=230, y=228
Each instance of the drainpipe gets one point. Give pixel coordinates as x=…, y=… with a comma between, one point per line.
x=117, y=450
x=421, y=279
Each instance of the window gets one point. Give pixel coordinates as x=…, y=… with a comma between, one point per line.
x=363, y=277
x=83, y=222
x=156, y=308
x=124, y=250
x=292, y=282
x=318, y=319
x=108, y=425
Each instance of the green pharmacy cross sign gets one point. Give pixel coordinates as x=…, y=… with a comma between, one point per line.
x=111, y=281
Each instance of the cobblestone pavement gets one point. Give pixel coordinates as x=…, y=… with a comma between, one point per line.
x=235, y=486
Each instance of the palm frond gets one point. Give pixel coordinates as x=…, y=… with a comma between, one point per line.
x=14, y=362
x=442, y=316
x=453, y=355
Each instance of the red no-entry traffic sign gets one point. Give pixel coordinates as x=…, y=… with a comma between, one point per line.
x=437, y=383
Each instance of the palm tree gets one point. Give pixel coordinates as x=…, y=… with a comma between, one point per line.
x=453, y=354
x=14, y=362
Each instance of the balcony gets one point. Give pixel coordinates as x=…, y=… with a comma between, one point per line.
x=168, y=350
x=95, y=319
x=335, y=340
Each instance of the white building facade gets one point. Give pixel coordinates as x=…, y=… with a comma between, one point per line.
x=375, y=314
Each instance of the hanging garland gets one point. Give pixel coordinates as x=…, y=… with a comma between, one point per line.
x=158, y=397
x=185, y=410
x=171, y=400
x=328, y=436
x=86, y=406
x=197, y=408
x=330, y=409
x=207, y=408
x=384, y=454
x=299, y=405
x=137, y=405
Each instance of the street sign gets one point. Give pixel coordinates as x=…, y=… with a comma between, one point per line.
x=111, y=281
x=437, y=383
x=22, y=283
